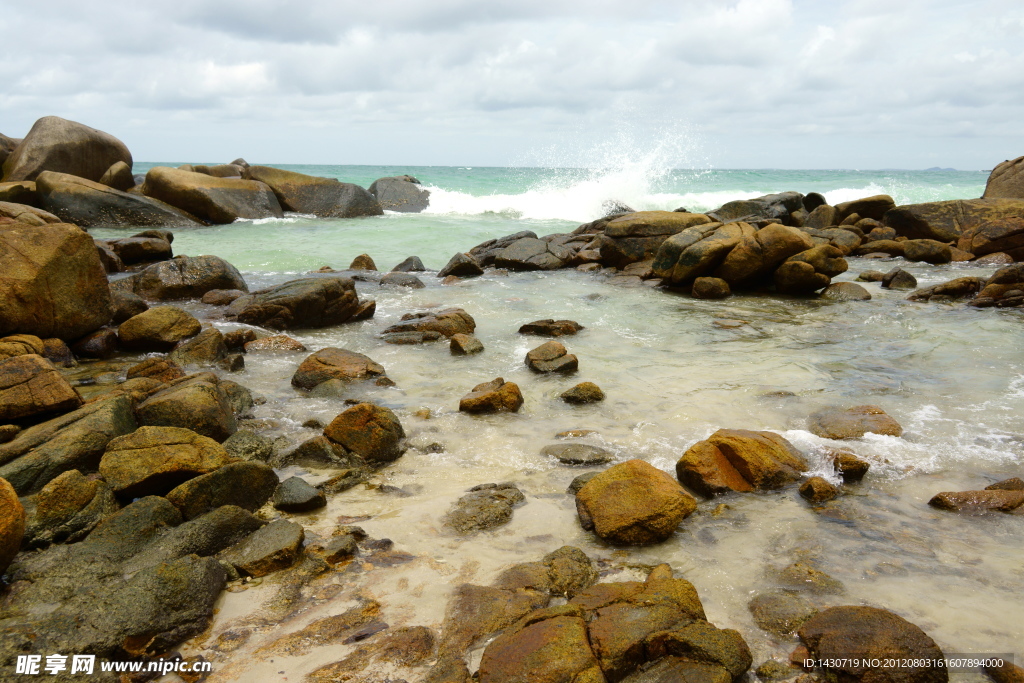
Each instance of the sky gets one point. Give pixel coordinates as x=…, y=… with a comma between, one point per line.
x=863, y=84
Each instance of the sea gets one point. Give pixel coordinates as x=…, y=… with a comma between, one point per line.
x=952, y=375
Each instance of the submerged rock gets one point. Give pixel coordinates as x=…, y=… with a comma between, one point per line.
x=978, y=501
x=272, y=548
x=780, y=612
x=305, y=303
x=485, y=507
x=584, y=392
x=852, y=423
x=740, y=460
x=578, y=454
x=633, y=503
x=551, y=328
x=818, y=490
x=845, y=291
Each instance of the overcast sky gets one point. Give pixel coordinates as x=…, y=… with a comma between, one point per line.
x=726, y=84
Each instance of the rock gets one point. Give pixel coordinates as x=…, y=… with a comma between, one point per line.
x=740, y=460
x=67, y=509
x=495, y=396
x=633, y=503
x=697, y=251
x=978, y=501
x=409, y=338
x=362, y=262
x=401, y=280
x=826, y=259
x=247, y=485
x=7, y=145
x=272, y=548
x=551, y=328
x=484, y=507
x=880, y=233
x=91, y=204
x=461, y=265
x=822, y=216
x=52, y=283
x=577, y=454
x=340, y=548
x=551, y=357
x=817, y=490
x=295, y=495
x=332, y=363
x=304, y=303
x=868, y=207
x=871, y=276
x=320, y=452
x=850, y=467
x=531, y=253
x=157, y=329
x=772, y=206
x=897, y=278
x=1003, y=235
x=197, y=403
x=1014, y=484
x=22, y=193
x=852, y=423
x=961, y=287
x=154, y=460
x=29, y=215
x=237, y=339
x=323, y=197
x=206, y=348
x=846, y=291
x=56, y=144
x=679, y=670
x=701, y=641
x=58, y=353
x=30, y=387
x=214, y=200
x=12, y=524
x=221, y=297
x=890, y=247
x=126, y=305
x=449, y=670
x=548, y=651
x=247, y=445
x=20, y=345
x=859, y=635
x=413, y=264
x=100, y=344
x=759, y=254
x=780, y=612
x=72, y=441
x=371, y=432
x=118, y=176
x=445, y=322
x=139, y=249
x=278, y=343
x=1006, y=180
x=187, y=277
x=711, y=288
x=465, y=344
x=400, y=193
x=946, y=221
x=160, y=369
x=799, y=277
x=929, y=251
x=584, y=392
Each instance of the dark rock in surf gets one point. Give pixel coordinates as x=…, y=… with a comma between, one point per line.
x=400, y=193
x=461, y=265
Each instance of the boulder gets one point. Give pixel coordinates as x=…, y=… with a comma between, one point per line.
x=413, y=264
x=551, y=356
x=461, y=265
x=154, y=460
x=496, y=396
x=484, y=507
x=740, y=460
x=848, y=465
x=12, y=524
x=401, y=280
x=781, y=612
x=7, y=145
x=852, y=423
x=946, y=221
x=633, y=503
x=118, y=176
x=1012, y=484
x=653, y=223
x=67, y=509
x=928, y=251
x=464, y=345
x=697, y=251
x=759, y=254
x=22, y=192
x=584, y=392
x=845, y=291
x=56, y=144
x=221, y=297
x=1006, y=181
x=776, y=207
x=248, y=445
x=206, y=348
x=868, y=207
x=134, y=250
x=247, y=485
x=323, y=197
x=551, y=328
x=554, y=650
x=74, y=441
x=272, y=548
x=278, y=343
x=31, y=388
x=21, y=345
x=825, y=258
x=821, y=217
x=897, y=278
x=100, y=344
x=126, y=305
x=446, y=322
x=959, y=288
x=198, y=403
x=711, y=288
x=889, y=247
x=818, y=490
x=577, y=454
x=29, y=215
x=157, y=329
x=295, y=495
x=159, y=369
x=52, y=283
x=363, y=262
x=90, y=204
x=332, y=363
x=211, y=199
x=305, y=303
x=857, y=637
x=1003, y=235
x=799, y=277
x=400, y=193
x=370, y=431
x=531, y=253
x=978, y=501
x=187, y=277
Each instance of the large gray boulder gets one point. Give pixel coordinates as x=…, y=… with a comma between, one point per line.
x=304, y=303
x=400, y=193
x=187, y=277
x=56, y=144
x=88, y=204
x=214, y=200
x=323, y=197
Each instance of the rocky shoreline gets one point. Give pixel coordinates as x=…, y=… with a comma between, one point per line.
x=128, y=507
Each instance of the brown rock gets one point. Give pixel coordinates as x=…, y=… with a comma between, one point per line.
x=845, y=291
x=1006, y=180
x=158, y=329
x=553, y=650
x=372, y=432
x=868, y=207
x=247, y=485
x=740, y=460
x=633, y=503
x=102, y=343
x=30, y=387
x=1003, y=235
x=58, y=353
x=272, y=548
x=757, y=255
x=849, y=466
x=154, y=460
x=215, y=200
x=818, y=490
x=653, y=223
x=199, y=403
x=780, y=612
x=68, y=508
x=12, y=524
x=333, y=363
x=477, y=611
x=495, y=396
x=711, y=288
x=897, y=278
x=187, y=277
x=28, y=215
x=946, y=221
x=997, y=259
x=551, y=357
x=221, y=297
x=362, y=262
x=978, y=501
x=279, y=343
x=584, y=392
x=323, y=197
x=551, y=328
x=852, y=423
x=799, y=277
x=56, y=144
x=20, y=345
x=1014, y=484
x=929, y=251
x=1008, y=672
x=237, y=339
x=160, y=369
x=464, y=345
x=447, y=322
